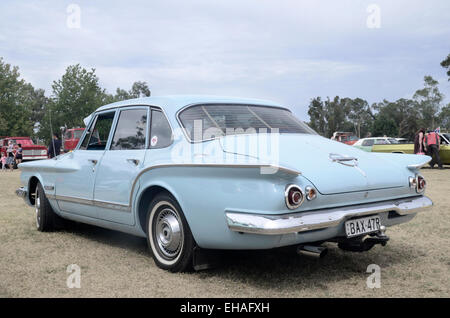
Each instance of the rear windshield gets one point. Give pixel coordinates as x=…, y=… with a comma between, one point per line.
x=212, y=121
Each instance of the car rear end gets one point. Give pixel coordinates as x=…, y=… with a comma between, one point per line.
x=34, y=153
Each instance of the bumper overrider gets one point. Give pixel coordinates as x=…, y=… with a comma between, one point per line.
x=319, y=219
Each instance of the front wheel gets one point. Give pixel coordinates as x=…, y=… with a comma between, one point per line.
x=45, y=217
x=168, y=234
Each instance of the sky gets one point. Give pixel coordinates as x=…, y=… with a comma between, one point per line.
x=286, y=51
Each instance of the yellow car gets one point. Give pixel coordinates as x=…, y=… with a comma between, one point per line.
x=444, y=152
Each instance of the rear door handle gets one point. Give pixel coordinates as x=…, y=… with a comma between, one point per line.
x=93, y=161
x=133, y=161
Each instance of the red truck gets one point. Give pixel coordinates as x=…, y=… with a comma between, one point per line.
x=30, y=150
x=71, y=138
x=345, y=137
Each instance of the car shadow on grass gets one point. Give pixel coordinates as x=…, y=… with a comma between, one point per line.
x=275, y=268
x=284, y=269
x=105, y=236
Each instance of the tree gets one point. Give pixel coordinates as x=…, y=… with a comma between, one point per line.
x=344, y=114
x=76, y=95
x=444, y=117
x=138, y=89
x=429, y=101
x=316, y=114
x=404, y=113
x=16, y=99
x=446, y=64
x=360, y=114
x=384, y=125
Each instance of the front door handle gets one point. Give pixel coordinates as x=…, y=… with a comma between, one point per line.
x=133, y=161
x=93, y=161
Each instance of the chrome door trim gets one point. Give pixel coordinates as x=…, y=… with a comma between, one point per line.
x=127, y=207
x=102, y=204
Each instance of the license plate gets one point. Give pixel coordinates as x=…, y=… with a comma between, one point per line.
x=362, y=226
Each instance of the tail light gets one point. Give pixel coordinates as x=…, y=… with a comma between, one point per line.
x=294, y=196
x=310, y=193
x=418, y=182
x=421, y=184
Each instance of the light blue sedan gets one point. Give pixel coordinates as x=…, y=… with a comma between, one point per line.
x=193, y=173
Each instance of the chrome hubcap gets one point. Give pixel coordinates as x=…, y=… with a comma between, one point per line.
x=169, y=233
x=37, y=206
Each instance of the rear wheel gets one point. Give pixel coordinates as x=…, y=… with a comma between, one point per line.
x=168, y=234
x=45, y=217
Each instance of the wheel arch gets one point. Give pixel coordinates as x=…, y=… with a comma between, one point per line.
x=146, y=196
x=32, y=185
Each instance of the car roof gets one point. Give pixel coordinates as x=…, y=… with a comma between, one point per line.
x=377, y=138
x=173, y=103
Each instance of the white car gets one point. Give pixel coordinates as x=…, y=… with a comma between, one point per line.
x=367, y=143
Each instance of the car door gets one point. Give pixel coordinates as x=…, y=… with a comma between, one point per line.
x=121, y=164
x=74, y=186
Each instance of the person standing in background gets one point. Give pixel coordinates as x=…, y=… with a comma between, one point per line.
x=433, y=144
x=55, y=146
x=10, y=155
x=419, y=148
x=19, y=153
x=3, y=161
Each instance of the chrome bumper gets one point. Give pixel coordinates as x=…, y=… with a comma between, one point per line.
x=319, y=219
x=22, y=192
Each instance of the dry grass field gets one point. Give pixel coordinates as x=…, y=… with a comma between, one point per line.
x=415, y=263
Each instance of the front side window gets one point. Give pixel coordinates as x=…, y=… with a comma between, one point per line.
x=97, y=136
x=202, y=122
x=161, y=133
x=131, y=130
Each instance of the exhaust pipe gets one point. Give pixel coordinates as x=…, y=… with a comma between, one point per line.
x=312, y=251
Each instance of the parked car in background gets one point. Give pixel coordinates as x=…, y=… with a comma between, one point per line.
x=366, y=144
x=71, y=137
x=345, y=137
x=444, y=152
x=30, y=150
x=182, y=172
x=404, y=141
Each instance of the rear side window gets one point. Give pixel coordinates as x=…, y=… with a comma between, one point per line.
x=131, y=130
x=161, y=133
x=381, y=142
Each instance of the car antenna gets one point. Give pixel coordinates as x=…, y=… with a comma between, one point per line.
x=51, y=132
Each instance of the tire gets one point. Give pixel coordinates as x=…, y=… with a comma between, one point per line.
x=168, y=234
x=45, y=217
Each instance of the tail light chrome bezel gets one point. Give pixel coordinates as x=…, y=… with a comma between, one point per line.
x=418, y=183
x=421, y=184
x=291, y=190
x=311, y=193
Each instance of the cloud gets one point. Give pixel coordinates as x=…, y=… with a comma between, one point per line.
x=288, y=51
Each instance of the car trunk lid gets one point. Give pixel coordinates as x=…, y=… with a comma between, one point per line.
x=331, y=166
